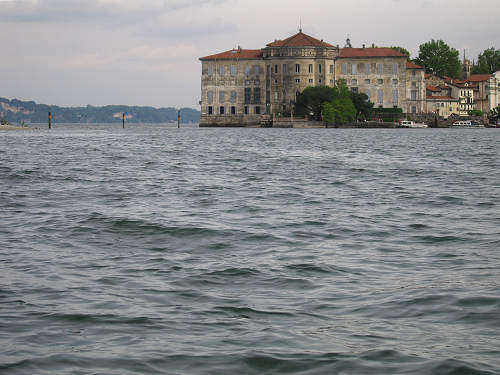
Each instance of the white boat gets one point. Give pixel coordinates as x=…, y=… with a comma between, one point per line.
x=411, y=124
x=466, y=124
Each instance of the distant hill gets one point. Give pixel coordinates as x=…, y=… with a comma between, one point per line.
x=17, y=111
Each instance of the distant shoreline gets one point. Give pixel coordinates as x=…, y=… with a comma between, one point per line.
x=14, y=127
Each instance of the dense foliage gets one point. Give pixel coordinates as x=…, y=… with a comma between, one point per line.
x=341, y=109
x=488, y=62
x=310, y=101
x=439, y=58
x=494, y=115
x=363, y=105
x=17, y=111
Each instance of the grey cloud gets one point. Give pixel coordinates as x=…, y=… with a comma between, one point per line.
x=91, y=11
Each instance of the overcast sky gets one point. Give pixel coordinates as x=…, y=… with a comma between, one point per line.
x=145, y=52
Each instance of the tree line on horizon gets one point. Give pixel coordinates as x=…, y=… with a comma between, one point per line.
x=439, y=58
x=18, y=111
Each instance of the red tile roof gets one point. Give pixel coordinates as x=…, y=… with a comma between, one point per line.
x=433, y=88
x=411, y=65
x=235, y=54
x=440, y=98
x=479, y=77
x=370, y=52
x=299, y=40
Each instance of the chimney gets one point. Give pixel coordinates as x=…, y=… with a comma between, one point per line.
x=363, y=46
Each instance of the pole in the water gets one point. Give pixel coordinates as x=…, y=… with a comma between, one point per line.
x=123, y=120
x=50, y=120
x=178, y=119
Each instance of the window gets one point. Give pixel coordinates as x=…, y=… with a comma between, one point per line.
x=221, y=70
x=395, y=69
x=319, y=81
x=210, y=97
x=268, y=96
x=233, y=110
x=361, y=67
x=354, y=69
x=413, y=94
x=210, y=110
x=210, y=70
x=233, y=70
x=257, y=110
x=310, y=68
x=379, y=69
x=247, y=70
x=248, y=95
x=233, y=97
x=297, y=80
x=354, y=89
x=319, y=68
x=276, y=81
x=247, y=82
x=297, y=68
x=257, y=69
x=222, y=110
x=373, y=69
x=413, y=73
x=246, y=110
x=310, y=81
x=276, y=96
x=331, y=82
x=367, y=81
x=354, y=82
x=344, y=68
x=380, y=96
x=284, y=69
x=256, y=95
x=413, y=109
x=284, y=108
x=276, y=68
x=380, y=81
x=395, y=97
x=395, y=81
x=222, y=97
x=331, y=68
x=256, y=82
x=414, y=84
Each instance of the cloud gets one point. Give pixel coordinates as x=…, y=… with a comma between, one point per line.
x=145, y=54
x=92, y=11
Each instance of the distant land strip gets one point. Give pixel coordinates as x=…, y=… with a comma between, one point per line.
x=18, y=111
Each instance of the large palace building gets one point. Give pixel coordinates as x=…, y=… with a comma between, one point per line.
x=240, y=86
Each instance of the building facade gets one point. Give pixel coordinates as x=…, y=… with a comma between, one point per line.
x=243, y=87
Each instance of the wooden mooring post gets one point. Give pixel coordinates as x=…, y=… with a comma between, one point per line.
x=178, y=119
x=50, y=120
x=123, y=120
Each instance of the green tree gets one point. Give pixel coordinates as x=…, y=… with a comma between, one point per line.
x=341, y=109
x=494, y=115
x=403, y=50
x=310, y=101
x=488, y=62
x=363, y=106
x=439, y=58
x=475, y=112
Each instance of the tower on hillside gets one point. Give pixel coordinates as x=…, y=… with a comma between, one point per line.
x=466, y=68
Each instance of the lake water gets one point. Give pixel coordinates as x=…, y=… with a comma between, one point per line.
x=157, y=250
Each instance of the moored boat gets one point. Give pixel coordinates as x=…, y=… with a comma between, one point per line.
x=411, y=124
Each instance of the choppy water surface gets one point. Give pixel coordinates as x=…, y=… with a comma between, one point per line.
x=156, y=250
